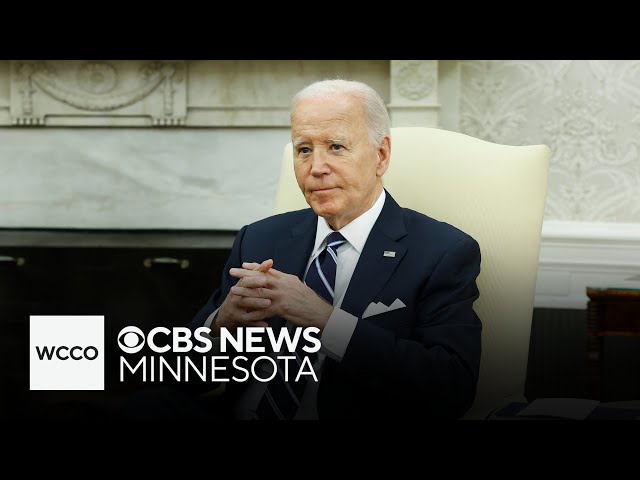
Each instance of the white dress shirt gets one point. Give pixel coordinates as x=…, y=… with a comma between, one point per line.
x=341, y=324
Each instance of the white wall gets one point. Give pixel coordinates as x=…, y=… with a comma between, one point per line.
x=588, y=112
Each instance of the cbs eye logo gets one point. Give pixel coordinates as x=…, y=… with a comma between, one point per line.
x=131, y=339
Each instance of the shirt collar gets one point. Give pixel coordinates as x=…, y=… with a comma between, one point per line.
x=355, y=232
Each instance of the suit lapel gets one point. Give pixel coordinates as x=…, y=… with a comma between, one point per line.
x=292, y=252
x=374, y=269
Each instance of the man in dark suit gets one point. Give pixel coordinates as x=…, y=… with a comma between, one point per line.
x=399, y=335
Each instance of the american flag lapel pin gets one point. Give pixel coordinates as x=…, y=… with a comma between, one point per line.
x=388, y=253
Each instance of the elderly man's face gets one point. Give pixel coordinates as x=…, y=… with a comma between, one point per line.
x=337, y=166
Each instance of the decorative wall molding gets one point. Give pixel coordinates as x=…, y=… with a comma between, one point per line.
x=193, y=93
x=415, y=79
x=66, y=92
x=94, y=92
x=586, y=111
x=414, y=93
x=574, y=255
x=132, y=93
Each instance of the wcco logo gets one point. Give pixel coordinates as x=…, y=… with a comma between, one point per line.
x=66, y=352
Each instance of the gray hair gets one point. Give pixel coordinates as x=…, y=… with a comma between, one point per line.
x=376, y=114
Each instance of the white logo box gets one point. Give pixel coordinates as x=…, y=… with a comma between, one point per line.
x=66, y=352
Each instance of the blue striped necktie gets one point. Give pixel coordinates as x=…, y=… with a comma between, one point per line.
x=282, y=398
x=321, y=276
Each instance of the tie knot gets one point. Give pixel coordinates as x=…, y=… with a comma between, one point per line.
x=334, y=240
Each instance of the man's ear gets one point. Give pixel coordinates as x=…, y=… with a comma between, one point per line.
x=384, y=154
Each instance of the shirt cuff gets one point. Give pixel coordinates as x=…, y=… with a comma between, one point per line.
x=209, y=320
x=214, y=340
x=337, y=333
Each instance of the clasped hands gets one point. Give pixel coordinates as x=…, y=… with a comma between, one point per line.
x=263, y=292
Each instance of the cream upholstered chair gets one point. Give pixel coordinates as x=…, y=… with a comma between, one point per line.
x=495, y=193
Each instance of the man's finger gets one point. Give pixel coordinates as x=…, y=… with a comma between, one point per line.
x=266, y=265
x=243, y=272
x=258, y=292
x=251, y=281
x=254, y=303
x=255, y=315
x=260, y=267
x=250, y=265
x=277, y=273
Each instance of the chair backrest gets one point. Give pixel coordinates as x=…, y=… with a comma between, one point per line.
x=495, y=193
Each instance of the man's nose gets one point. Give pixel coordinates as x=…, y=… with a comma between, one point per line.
x=319, y=164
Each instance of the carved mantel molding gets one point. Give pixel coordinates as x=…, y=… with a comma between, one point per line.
x=197, y=93
x=97, y=93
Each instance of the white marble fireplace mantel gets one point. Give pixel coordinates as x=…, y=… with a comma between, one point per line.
x=172, y=144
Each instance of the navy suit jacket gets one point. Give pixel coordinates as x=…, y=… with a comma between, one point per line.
x=420, y=361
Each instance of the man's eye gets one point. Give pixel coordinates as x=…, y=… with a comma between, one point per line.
x=336, y=146
x=305, y=150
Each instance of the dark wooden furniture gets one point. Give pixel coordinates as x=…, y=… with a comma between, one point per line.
x=145, y=279
x=613, y=324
